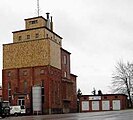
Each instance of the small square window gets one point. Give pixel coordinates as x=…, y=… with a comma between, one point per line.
x=105, y=97
x=20, y=38
x=9, y=74
x=42, y=71
x=28, y=36
x=116, y=97
x=33, y=22
x=25, y=73
x=37, y=35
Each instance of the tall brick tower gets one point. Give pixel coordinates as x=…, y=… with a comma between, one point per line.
x=36, y=58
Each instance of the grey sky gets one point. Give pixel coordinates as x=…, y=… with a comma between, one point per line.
x=98, y=33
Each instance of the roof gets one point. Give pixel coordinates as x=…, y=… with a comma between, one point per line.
x=65, y=50
x=37, y=28
x=74, y=75
x=105, y=95
x=35, y=18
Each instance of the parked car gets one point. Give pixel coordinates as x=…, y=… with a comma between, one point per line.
x=17, y=110
x=4, y=109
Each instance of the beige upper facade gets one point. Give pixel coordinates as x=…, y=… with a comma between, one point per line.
x=37, y=45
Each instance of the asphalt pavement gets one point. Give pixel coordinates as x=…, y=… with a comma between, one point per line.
x=108, y=115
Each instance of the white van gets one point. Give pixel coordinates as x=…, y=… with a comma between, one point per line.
x=17, y=110
x=23, y=110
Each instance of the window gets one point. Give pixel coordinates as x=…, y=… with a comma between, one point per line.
x=42, y=99
x=42, y=83
x=9, y=85
x=20, y=38
x=46, y=35
x=85, y=98
x=25, y=73
x=37, y=35
x=65, y=59
x=9, y=89
x=105, y=97
x=21, y=101
x=65, y=74
x=116, y=97
x=25, y=86
x=28, y=36
x=42, y=90
x=42, y=71
x=10, y=99
x=33, y=22
x=9, y=92
x=9, y=74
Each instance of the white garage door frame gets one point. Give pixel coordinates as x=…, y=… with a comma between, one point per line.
x=116, y=104
x=95, y=105
x=105, y=105
x=85, y=106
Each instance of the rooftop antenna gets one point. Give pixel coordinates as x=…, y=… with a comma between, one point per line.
x=38, y=8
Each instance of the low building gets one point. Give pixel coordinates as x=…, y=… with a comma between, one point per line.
x=105, y=102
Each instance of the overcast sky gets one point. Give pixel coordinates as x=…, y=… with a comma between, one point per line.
x=98, y=33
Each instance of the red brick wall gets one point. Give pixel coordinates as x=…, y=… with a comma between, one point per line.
x=56, y=86
x=65, y=67
x=48, y=76
x=68, y=82
x=74, y=95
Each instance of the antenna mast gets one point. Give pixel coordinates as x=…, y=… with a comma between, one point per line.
x=38, y=8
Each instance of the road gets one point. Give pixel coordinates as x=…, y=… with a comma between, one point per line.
x=110, y=115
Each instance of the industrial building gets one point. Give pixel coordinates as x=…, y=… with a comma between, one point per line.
x=36, y=70
x=105, y=102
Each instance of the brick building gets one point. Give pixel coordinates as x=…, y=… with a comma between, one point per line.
x=105, y=102
x=0, y=93
x=36, y=58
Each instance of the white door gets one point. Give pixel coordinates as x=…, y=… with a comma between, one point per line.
x=116, y=105
x=95, y=105
x=85, y=105
x=105, y=105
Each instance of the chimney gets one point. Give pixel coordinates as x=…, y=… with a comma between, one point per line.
x=47, y=15
x=48, y=21
x=51, y=24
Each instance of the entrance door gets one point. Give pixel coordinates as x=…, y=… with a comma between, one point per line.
x=66, y=108
x=95, y=105
x=21, y=101
x=116, y=105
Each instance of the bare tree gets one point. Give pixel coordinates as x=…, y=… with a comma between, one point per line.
x=94, y=91
x=122, y=79
x=79, y=93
